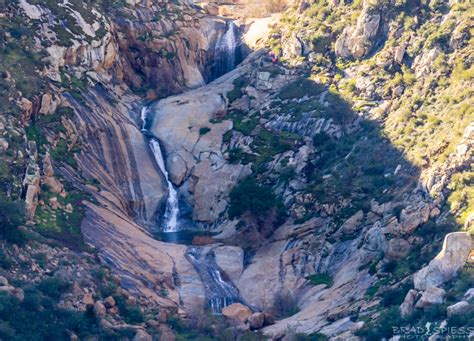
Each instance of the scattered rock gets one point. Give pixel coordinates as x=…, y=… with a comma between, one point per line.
x=99, y=310
x=256, y=320
x=109, y=302
x=3, y=281
x=142, y=335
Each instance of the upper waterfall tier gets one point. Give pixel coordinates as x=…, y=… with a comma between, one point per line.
x=227, y=54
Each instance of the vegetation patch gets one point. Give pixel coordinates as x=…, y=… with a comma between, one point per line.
x=300, y=88
x=323, y=278
x=237, y=92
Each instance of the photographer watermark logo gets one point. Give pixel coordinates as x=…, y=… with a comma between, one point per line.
x=423, y=333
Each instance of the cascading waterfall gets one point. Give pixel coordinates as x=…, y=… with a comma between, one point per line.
x=219, y=293
x=172, y=204
x=226, y=50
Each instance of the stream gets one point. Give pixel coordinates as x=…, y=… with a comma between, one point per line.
x=219, y=291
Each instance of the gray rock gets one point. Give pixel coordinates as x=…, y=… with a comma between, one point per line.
x=458, y=308
x=358, y=41
x=231, y=260
x=447, y=263
x=292, y=47
x=99, y=310
x=177, y=168
x=408, y=305
x=430, y=297
x=142, y=335
x=469, y=295
x=256, y=321
x=3, y=144
x=3, y=281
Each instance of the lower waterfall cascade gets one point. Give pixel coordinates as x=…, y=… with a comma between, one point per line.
x=219, y=292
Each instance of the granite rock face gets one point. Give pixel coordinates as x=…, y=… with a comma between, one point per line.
x=357, y=41
x=195, y=160
x=447, y=263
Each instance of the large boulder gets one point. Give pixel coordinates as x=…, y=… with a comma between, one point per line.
x=408, y=305
x=237, y=312
x=430, y=297
x=142, y=335
x=458, y=308
x=231, y=260
x=358, y=41
x=447, y=263
x=292, y=47
x=352, y=224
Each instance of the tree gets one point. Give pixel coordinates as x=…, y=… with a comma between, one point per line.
x=12, y=216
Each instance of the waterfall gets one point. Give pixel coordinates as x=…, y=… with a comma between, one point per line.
x=226, y=50
x=219, y=293
x=172, y=204
x=143, y=116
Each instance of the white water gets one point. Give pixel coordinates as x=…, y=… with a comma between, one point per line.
x=219, y=293
x=226, y=48
x=143, y=117
x=172, y=205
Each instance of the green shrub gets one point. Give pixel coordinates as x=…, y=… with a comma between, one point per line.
x=323, y=278
x=259, y=200
x=12, y=216
x=53, y=287
x=383, y=326
x=237, y=92
x=204, y=130
x=300, y=88
x=285, y=304
x=131, y=313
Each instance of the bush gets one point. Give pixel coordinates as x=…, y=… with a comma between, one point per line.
x=53, y=287
x=323, y=278
x=131, y=313
x=204, y=130
x=11, y=217
x=285, y=304
x=300, y=88
x=259, y=200
x=382, y=327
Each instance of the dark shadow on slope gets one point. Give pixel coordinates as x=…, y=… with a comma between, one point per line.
x=353, y=165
